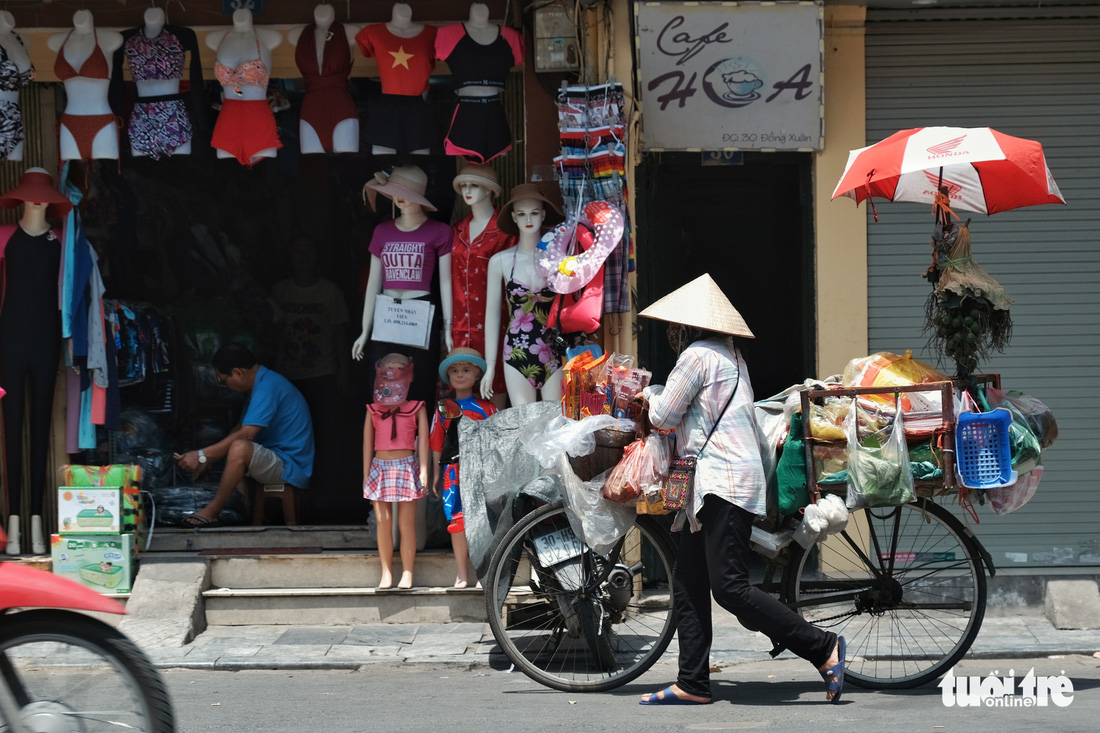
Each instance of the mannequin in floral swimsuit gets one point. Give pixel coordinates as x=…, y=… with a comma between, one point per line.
x=530, y=367
x=246, y=125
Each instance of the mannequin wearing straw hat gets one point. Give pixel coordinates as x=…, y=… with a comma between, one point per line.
x=531, y=371
x=477, y=239
x=404, y=255
x=89, y=129
x=709, y=401
x=30, y=342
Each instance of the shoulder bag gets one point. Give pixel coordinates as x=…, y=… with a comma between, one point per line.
x=680, y=485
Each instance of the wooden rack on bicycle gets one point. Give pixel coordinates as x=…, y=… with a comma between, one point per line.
x=944, y=434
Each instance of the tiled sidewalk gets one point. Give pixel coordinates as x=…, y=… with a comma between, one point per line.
x=471, y=645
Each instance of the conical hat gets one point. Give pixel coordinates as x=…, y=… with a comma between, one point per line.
x=702, y=304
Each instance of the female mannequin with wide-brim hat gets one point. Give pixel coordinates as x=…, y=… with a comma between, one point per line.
x=30, y=342
x=531, y=371
x=708, y=400
x=405, y=253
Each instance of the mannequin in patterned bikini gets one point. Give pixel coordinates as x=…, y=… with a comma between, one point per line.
x=18, y=72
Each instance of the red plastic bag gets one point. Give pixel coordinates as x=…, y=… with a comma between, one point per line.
x=625, y=481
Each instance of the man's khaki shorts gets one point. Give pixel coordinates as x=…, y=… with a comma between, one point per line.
x=266, y=466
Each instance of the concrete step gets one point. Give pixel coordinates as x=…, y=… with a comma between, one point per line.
x=334, y=587
x=350, y=537
x=327, y=570
x=341, y=606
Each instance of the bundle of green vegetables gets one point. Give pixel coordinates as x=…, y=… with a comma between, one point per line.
x=967, y=314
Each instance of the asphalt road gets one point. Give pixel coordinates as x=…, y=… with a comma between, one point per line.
x=782, y=695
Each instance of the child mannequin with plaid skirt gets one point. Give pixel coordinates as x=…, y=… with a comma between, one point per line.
x=395, y=462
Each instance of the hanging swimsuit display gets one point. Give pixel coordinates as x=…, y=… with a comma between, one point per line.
x=162, y=124
x=11, y=117
x=479, y=126
x=327, y=102
x=526, y=345
x=401, y=119
x=244, y=126
x=84, y=128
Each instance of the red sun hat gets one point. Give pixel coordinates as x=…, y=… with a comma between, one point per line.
x=36, y=187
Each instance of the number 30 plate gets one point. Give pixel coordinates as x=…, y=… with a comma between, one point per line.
x=557, y=546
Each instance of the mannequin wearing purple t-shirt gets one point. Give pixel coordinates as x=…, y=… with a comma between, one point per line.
x=405, y=255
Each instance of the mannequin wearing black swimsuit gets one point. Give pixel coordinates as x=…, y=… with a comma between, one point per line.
x=30, y=348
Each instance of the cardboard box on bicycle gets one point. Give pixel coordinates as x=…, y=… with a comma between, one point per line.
x=100, y=500
x=104, y=563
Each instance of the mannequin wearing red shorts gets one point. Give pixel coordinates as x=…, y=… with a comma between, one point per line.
x=245, y=129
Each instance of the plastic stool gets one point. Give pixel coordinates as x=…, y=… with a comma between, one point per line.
x=266, y=492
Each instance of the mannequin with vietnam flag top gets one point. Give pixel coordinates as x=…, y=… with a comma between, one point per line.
x=400, y=121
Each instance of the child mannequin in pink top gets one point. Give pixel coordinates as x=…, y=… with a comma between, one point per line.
x=395, y=462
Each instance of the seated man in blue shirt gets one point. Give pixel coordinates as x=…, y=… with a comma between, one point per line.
x=272, y=445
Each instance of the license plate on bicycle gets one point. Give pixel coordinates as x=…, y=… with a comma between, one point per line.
x=557, y=546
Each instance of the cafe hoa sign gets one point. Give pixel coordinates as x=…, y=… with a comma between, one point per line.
x=730, y=75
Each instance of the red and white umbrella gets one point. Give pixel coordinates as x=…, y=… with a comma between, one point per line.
x=983, y=170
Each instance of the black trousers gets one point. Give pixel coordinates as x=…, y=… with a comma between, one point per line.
x=715, y=560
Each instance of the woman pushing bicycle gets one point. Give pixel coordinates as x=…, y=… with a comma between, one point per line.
x=709, y=401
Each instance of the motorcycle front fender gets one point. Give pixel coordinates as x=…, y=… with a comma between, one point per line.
x=25, y=587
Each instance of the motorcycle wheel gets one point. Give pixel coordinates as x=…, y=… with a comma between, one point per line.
x=67, y=671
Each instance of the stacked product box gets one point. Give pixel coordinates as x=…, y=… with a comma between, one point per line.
x=102, y=562
x=100, y=521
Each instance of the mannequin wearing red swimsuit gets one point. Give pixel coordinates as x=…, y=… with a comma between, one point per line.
x=89, y=129
x=329, y=120
x=245, y=129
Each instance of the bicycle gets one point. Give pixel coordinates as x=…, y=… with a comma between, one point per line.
x=905, y=585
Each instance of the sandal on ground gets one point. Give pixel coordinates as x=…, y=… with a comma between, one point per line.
x=834, y=676
x=668, y=697
x=195, y=521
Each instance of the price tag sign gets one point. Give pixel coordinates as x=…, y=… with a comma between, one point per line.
x=402, y=321
x=731, y=76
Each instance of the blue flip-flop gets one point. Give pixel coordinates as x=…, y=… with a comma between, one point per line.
x=669, y=698
x=834, y=676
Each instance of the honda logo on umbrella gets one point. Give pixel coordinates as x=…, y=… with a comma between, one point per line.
x=947, y=148
x=953, y=189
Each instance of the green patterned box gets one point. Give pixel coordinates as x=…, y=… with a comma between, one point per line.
x=105, y=563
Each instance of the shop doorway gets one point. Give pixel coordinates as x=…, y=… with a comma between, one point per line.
x=750, y=225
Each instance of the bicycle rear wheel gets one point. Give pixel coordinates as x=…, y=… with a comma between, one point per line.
x=903, y=585
x=574, y=620
x=66, y=671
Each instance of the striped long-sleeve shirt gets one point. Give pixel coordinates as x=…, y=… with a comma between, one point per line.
x=698, y=388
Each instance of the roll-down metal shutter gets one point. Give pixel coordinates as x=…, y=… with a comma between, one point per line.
x=1035, y=78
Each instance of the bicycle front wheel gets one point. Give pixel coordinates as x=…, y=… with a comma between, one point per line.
x=64, y=671
x=903, y=585
x=572, y=619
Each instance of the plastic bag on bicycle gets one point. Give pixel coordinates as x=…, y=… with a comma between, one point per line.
x=878, y=466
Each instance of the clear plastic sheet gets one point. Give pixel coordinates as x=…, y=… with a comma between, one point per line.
x=500, y=481
x=575, y=437
x=598, y=522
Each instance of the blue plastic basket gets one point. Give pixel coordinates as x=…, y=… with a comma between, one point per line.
x=983, y=456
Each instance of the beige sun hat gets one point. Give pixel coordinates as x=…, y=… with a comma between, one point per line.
x=407, y=182
x=702, y=304
x=482, y=175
